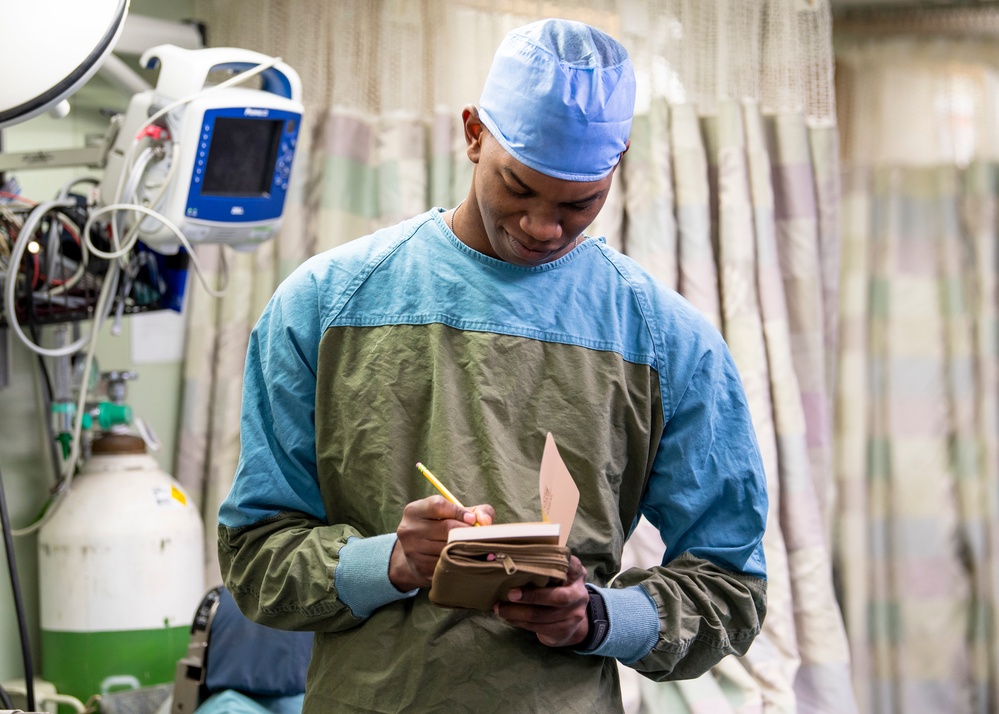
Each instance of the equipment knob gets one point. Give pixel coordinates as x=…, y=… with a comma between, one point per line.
x=116, y=383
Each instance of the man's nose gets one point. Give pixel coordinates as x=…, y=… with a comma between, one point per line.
x=542, y=224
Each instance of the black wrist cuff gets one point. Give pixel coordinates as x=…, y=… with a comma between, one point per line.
x=596, y=617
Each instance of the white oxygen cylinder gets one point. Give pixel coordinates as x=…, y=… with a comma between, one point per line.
x=120, y=574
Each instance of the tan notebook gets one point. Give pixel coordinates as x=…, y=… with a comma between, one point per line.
x=481, y=564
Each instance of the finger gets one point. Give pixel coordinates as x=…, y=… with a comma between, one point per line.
x=559, y=597
x=431, y=519
x=422, y=534
x=543, y=605
x=424, y=548
x=576, y=571
x=529, y=617
x=553, y=634
x=476, y=516
x=437, y=508
x=484, y=514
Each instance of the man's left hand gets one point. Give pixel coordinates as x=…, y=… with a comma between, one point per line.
x=556, y=615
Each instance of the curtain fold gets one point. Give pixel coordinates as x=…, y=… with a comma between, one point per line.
x=980, y=462
x=917, y=473
x=918, y=467
x=735, y=234
x=731, y=201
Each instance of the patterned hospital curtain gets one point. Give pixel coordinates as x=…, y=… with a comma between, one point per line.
x=733, y=203
x=917, y=551
x=917, y=432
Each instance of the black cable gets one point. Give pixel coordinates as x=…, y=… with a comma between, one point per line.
x=5, y=699
x=43, y=368
x=47, y=392
x=15, y=584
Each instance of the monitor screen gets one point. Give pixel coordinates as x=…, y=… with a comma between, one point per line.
x=241, y=157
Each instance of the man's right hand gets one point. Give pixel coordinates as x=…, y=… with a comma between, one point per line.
x=422, y=534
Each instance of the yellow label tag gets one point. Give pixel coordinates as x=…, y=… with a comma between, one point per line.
x=178, y=495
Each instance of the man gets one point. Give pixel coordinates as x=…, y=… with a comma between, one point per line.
x=460, y=338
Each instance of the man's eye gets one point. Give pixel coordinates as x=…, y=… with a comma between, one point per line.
x=517, y=194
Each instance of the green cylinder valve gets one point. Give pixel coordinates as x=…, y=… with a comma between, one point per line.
x=110, y=414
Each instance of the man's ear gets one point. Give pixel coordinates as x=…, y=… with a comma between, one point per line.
x=474, y=132
x=627, y=145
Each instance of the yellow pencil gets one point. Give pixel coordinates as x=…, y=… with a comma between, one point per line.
x=439, y=486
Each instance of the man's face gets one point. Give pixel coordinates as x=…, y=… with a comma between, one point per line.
x=530, y=218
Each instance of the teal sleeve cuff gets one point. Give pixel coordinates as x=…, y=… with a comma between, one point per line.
x=361, y=578
x=634, y=624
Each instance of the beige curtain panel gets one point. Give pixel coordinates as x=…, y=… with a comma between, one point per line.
x=916, y=405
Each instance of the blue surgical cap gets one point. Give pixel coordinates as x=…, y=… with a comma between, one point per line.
x=559, y=98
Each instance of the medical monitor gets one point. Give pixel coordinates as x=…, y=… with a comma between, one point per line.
x=225, y=154
x=242, y=156
x=243, y=162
